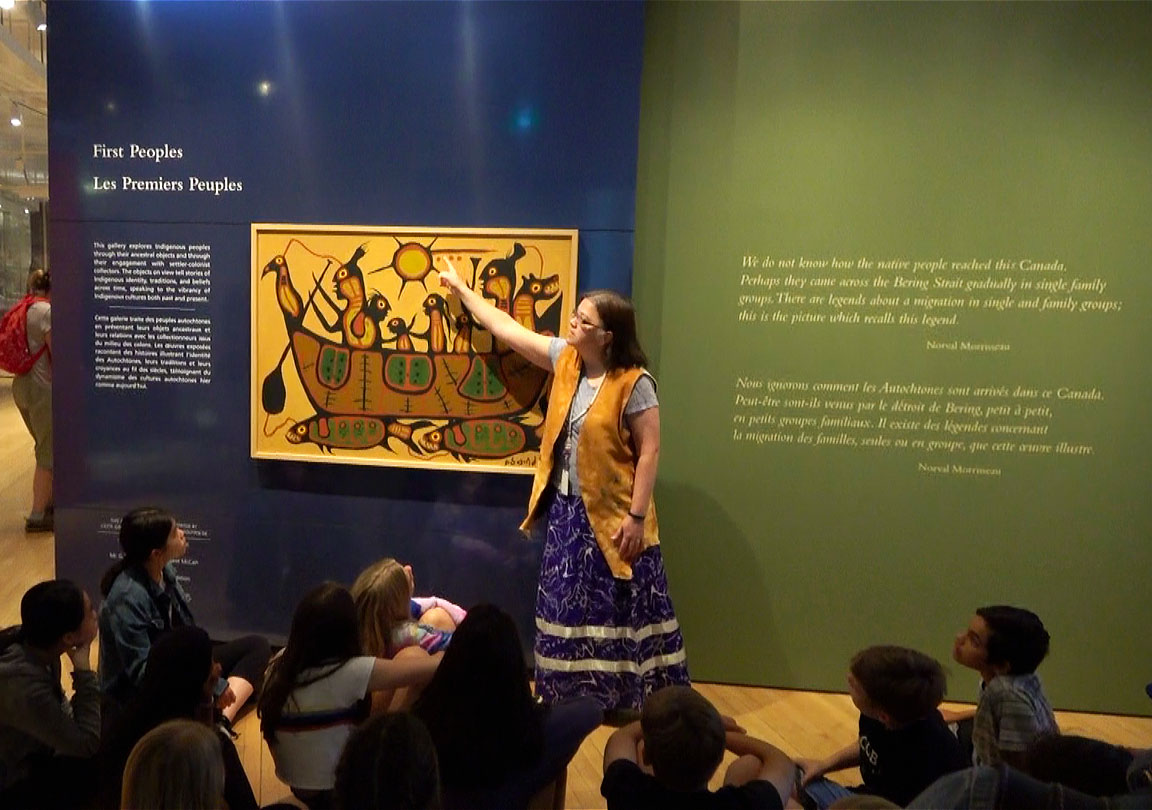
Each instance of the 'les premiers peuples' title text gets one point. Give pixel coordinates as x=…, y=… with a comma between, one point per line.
x=156, y=154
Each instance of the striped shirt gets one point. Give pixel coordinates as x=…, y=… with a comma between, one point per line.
x=1012, y=712
x=317, y=721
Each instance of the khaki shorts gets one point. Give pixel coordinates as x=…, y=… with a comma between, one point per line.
x=34, y=401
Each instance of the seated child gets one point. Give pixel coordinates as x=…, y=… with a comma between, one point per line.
x=179, y=683
x=316, y=688
x=904, y=744
x=1005, y=645
x=391, y=619
x=683, y=738
x=46, y=739
x=143, y=599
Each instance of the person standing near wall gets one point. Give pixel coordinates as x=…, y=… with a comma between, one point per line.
x=32, y=393
x=604, y=621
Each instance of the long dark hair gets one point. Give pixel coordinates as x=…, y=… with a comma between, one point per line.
x=324, y=635
x=48, y=610
x=389, y=762
x=142, y=531
x=618, y=316
x=479, y=707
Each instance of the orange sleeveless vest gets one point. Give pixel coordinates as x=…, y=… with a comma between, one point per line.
x=605, y=458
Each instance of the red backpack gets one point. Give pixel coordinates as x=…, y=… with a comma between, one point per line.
x=15, y=356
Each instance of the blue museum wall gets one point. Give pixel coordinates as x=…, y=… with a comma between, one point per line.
x=433, y=114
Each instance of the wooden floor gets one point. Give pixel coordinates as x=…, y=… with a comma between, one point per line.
x=800, y=723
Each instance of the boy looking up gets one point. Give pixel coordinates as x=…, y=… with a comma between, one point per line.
x=904, y=744
x=1005, y=645
x=682, y=738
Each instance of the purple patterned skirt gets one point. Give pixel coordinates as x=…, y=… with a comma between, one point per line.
x=612, y=639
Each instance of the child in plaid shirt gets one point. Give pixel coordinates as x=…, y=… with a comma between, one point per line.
x=1005, y=645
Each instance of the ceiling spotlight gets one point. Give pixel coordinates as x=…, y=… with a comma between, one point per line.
x=42, y=27
x=16, y=120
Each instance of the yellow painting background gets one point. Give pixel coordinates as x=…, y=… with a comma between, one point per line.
x=306, y=249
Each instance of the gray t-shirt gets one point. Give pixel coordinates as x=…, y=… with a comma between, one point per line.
x=642, y=398
x=39, y=325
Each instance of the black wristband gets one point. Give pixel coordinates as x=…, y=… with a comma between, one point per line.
x=635, y=516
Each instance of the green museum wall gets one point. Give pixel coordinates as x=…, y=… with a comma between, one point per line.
x=905, y=132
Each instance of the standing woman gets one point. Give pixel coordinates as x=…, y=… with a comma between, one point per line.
x=32, y=393
x=604, y=621
x=143, y=599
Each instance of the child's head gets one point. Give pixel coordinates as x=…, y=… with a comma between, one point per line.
x=179, y=675
x=683, y=737
x=382, y=592
x=1002, y=640
x=323, y=627
x=147, y=530
x=56, y=614
x=895, y=685
x=389, y=762
x=176, y=765
x=147, y=535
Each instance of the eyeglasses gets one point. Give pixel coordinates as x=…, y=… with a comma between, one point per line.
x=583, y=322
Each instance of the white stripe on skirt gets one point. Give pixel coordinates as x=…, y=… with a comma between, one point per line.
x=600, y=665
x=606, y=631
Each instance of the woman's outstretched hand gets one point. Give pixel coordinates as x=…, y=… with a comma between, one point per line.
x=449, y=277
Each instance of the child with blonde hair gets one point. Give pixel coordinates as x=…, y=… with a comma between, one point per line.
x=392, y=619
x=176, y=765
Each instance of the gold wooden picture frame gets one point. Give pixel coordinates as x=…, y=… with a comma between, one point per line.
x=360, y=357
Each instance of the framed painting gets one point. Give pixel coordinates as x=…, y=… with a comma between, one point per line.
x=360, y=357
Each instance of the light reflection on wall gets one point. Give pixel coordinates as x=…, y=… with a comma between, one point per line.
x=15, y=246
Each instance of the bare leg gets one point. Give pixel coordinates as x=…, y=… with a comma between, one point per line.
x=41, y=490
x=438, y=617
x=242, y=690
